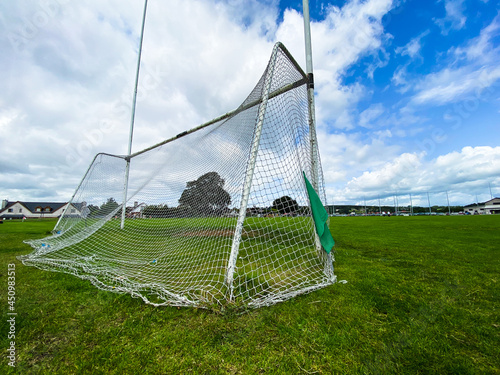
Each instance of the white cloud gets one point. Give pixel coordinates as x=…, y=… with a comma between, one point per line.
x=399, y=78
x=335, y=104
x=482, y=48
x=457, y=172
x=413, y=47
x=450, y=85
x=370, y=115
x=474, y=68
x=344, y=155
x=454, y=18
x=346, y=35
x=349, y=33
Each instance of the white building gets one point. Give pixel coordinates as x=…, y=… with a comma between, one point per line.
x=136, y=211
x=489, y=207
x=38, y=210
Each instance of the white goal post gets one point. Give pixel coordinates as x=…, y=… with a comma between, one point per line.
x=219, y=215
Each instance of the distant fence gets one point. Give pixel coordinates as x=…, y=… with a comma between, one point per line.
x=408, y=203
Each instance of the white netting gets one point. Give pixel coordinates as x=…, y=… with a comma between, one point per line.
x=187, y=204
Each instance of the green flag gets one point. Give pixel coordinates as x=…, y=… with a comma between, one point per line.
x=320, y=217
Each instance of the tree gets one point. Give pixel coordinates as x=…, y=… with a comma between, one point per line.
x=108, y=207
x=206, y=195
x=285, y=205
x=93, y=209
x=153, y=210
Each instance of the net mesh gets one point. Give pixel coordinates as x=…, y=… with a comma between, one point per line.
x=191, y=209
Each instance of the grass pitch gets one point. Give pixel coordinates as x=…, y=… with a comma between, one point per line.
x=421, y=297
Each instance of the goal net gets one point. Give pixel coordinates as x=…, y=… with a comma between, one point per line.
x=217, y=216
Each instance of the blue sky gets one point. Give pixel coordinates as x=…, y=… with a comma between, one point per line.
x=407, y=92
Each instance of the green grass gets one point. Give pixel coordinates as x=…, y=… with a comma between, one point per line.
x=422, y=297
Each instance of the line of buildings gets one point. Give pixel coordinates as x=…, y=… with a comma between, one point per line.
x=53, y=210
x=35, y=210
x=489, y=207
x=45, y=210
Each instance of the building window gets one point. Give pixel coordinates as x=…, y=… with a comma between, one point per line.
x=47, y=209
x=11, y=210
x=73, y=210
x=20, y=210
x=38, y=209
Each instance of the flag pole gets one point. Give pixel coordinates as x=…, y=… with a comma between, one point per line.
x=132, y=119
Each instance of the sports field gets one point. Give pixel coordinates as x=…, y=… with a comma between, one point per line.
x=422, y=296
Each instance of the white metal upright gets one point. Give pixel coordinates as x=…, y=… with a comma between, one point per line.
x=132, y=119
x=310, y=96
x=312, y=126
x=233, y=257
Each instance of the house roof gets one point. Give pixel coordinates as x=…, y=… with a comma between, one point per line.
x=138, y=208
x=31, y=206
x=482, y=203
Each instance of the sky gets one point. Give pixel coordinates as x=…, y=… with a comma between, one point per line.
x=406, y=92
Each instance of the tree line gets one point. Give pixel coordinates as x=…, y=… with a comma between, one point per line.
x=203, y=197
